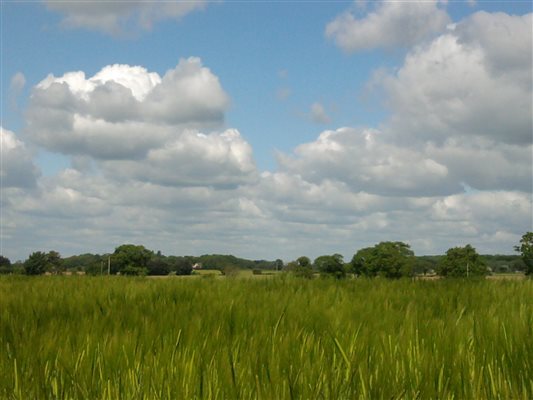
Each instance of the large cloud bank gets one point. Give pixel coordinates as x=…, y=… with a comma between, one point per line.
x=152, y=161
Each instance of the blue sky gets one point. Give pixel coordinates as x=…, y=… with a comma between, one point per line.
x=256, y=49
x=288, y=77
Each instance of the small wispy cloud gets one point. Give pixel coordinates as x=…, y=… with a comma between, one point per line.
x=283, y=93
x=319, y=114
x=18, y=81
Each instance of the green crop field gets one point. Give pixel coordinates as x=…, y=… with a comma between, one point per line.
x=277, y=338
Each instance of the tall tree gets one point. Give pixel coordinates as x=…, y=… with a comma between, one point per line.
x=130, y=259
x=388, y=259
x=54, y=262
x=331, y=266
x=462, y=262
x=526, y=250
x=36, y=263
x=363, y=262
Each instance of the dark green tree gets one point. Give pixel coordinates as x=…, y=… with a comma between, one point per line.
x=304, y=261
x=158, y=265
x=526, y=250
x=5, y=265
x=278, y=264
x=130, y=259
x=54, y=262
x=332, y=266
x=462, y=262
x=36, y=263
x=364, y=262
x=181, y=265
x=388, y=259
x=424, y=265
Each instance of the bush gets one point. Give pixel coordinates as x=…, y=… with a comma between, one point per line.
x=230, y=271
x=158, y=266
x=135, y=271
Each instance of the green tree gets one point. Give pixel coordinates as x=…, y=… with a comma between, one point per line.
x=424, y=265
x=526, y=250
x=301, y=267
x=5, y=265
x=84, y=262
x=96, y=268
x=518, y=265
x=304, y=261
x=331, y=266
x=278, y=264
x=158, y=265
x=181, y=265
x=364, y=262
x=462, y=262
x=54, y=263
x=36, y=263
x=388, y=259
x=130, y=259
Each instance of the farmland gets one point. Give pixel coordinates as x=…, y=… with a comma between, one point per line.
x=119, y=337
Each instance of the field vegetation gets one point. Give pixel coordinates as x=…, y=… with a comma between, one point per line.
x=82, y=337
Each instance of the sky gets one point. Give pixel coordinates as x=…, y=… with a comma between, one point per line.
x=265, y=129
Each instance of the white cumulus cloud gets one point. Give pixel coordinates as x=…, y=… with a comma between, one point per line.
x=449, y=89
x=193, y=159
x=124, y=111
x=363, y=160
x=16, y=168
x=392, y=23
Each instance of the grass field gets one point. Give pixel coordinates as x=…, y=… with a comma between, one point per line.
x=138, y=338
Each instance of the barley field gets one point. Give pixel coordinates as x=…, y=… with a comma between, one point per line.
x=276, y=338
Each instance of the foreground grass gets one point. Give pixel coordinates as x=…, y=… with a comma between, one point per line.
x=117, y=337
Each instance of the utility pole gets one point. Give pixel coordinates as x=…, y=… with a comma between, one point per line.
x=101, y=267
x=108, y=265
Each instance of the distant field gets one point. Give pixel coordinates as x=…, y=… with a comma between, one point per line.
x=514, y=276
x=83, y=337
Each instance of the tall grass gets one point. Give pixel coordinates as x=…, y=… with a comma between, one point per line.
x=128, y=338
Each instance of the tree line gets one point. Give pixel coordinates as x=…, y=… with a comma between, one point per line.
x=396, y=260
x=130, y=259
x=385, y=259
